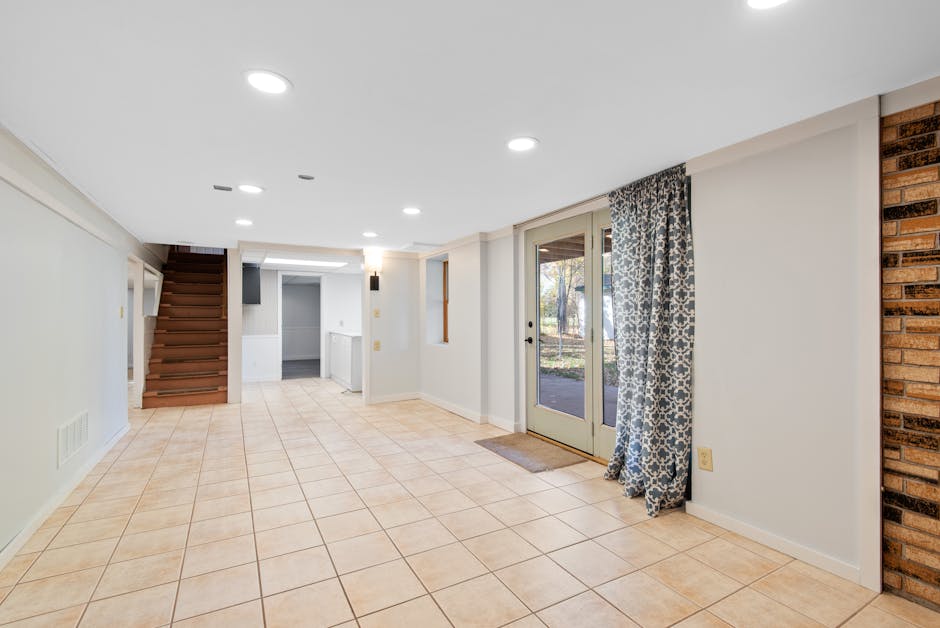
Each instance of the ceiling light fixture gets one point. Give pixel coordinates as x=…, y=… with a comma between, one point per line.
x=522, y=144
x=267, y=81
x=248, y=188
x=303, y=262
x=369, y=234
x=411, y=211
x=243, y=222
x=761, y=5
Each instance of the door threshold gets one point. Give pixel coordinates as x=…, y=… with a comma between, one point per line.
x=568, y=448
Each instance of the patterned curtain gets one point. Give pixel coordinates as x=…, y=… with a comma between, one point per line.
x=654, y=319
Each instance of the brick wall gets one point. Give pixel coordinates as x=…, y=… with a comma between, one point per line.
x=910, y=154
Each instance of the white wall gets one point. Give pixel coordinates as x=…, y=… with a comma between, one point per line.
x=786, y=256
x=500, y=339
x=340, y=310
x=393, y=370
x=261, y=333
x=62, y=335
x=452, y=373
x=300, y=332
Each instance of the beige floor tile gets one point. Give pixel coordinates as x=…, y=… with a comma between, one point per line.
x=49, y=594
x=421, y=612
x=420, y=536
x=676, y=530
x=694, y=580
x=217, y=555
x=539, y=582
x=748, y=608
x=88, y=531
x=809, y=596
x=140, y=573
x=287, y=539
x=515, y=510
x=590, y=521
x=702, y=619
x=465, y=524
x=147, y=608
x=501, y=548
x=733, y=560
x=156, y=519
x=15, y=569
x=217, y=590
x=874, y=617
x=548, y=533
x=379, y=587
x=906, y=610
x=149, y=543
x=290, y=571
x=646, y=601
x=635, y=547
x=219, y=529
x=316, y=605
x=66, y=618
x=247, y=615
x=588, y=607
x=464, y=603
x=362, y=551
x=591, y=563
x=446, y=502
x=347, y=525
x=445, y=566
x=72, y=558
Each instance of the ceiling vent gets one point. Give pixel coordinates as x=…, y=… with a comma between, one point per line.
x=222, y=188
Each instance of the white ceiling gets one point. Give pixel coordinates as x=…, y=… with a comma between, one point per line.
x=144, y=107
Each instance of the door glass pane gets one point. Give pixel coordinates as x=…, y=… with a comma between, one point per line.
x=608, y=338
x=561, y=324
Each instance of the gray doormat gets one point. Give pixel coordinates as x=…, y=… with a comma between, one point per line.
x=529, y=452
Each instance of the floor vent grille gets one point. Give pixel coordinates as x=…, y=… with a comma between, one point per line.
x=72, y=437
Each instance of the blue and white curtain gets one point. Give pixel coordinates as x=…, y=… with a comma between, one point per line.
x=654, y=319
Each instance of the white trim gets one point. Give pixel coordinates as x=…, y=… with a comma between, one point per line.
x=912, y=96
x=393, y=397
x=476, y=417
x=797, y=132
x=779, y=543
x=56, y=499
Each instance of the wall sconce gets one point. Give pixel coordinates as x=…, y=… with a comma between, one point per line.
x=373, y=265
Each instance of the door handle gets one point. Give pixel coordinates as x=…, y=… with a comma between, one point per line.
x=529, y=340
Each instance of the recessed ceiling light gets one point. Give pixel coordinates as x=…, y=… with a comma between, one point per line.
x=764, y=4
x=267, y=81
x=369, y=234
x=411, y=211
x=522, y=144
x=243, y=222
x=303, y=262
x=248, y=188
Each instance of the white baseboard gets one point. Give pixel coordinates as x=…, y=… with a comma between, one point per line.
x=57, y=498
x=779, y=543
x=505, y=424
x=393, y=397
x=452, y=407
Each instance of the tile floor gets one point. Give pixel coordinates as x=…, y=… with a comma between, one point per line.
x=303, y=507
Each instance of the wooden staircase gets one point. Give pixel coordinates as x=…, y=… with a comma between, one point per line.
x=189, y=358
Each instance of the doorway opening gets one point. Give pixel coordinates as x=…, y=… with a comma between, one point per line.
x=300, y=326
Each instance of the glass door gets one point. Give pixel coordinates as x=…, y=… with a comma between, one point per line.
x=570, y=387
x=558, y=326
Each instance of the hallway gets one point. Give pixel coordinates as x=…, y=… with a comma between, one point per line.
x=304, y=507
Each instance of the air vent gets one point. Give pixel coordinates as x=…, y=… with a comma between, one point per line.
x=72, y=437
x=222, y=188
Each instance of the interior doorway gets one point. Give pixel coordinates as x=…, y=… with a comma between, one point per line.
x=571, y=354
x=300, y=326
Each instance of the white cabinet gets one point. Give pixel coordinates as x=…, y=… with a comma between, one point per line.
x=346, y=359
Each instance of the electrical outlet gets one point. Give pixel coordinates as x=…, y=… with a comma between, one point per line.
x=705, y=458
x=377, y=345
